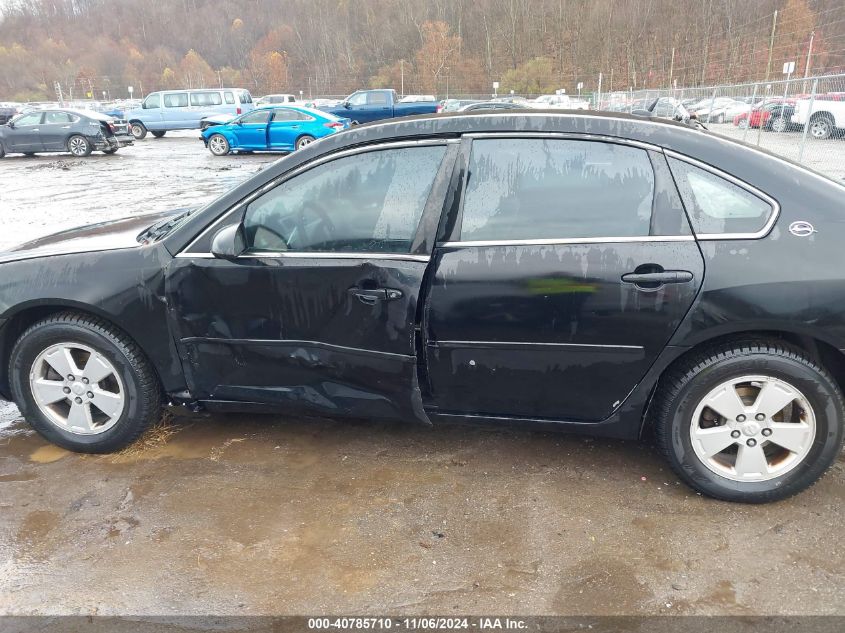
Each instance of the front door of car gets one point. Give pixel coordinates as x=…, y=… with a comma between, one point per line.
x=251, y=130
x=564, y=276
x=25, y=135
x=285, y=127
x=319, y=313
x=55, y=130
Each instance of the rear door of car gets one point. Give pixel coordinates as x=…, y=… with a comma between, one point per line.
x=319, y=314
x=56, y=129
x=559, y=280
x=285, y=126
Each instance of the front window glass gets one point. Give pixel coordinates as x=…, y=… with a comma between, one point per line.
x=368, y=202
x=358, y=99
x=33, y=118
x=556, y=189
x=152, y=102
x=256, y=116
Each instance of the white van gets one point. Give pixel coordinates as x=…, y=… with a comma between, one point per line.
x=184, y=109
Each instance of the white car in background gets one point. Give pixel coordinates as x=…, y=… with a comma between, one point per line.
x=416, y=98
x=275, y=99
x=558, y=102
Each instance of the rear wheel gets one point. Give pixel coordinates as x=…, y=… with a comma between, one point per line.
x=138, y=130
x=821, y=127
x=304, y=140
x=754, y=421
x=83, y=384
x=218, y=145
x=158, y=133
x=79, y=146
x=779, y=125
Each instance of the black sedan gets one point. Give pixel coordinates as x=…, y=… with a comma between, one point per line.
x=591, y=272
x=79, y=132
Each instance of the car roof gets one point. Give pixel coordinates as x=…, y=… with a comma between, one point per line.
x=294, y=106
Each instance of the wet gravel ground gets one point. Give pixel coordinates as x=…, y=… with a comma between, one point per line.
x=274, y=515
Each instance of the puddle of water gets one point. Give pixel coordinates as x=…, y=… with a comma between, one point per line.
x=48, y=454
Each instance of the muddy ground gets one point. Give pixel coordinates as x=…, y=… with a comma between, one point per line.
x=273, y=515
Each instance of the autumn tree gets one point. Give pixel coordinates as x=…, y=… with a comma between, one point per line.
x=194, y=71
x=438, y=51
x=536, y=76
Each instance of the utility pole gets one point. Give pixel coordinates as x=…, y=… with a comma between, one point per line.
x=402, y=72
x=809, y=55
x=771, y=45
x=671, y=67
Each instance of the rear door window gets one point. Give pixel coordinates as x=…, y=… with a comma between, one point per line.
x=230, y=98
x=716, y=205
x=57, y=117
x=176, y=100
x=206, y=99
x=283, y=114
x=546, y=189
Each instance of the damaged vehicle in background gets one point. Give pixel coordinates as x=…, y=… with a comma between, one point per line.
x=79, y=132
x=597, y=273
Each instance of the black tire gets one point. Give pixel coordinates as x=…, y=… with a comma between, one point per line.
x=778, y=125
x=138, y=130
x=79, y=146
x=305, y=139
x=158, y=133
x=686, y=384
x=29, y=154
x=143, y=397
x=110, y=151
x=2, y=150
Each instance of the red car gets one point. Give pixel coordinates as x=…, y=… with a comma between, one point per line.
x=760, y=114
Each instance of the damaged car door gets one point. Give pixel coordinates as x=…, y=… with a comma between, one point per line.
x=308, y=301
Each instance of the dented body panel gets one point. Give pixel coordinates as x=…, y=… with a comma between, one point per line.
x=545, y=334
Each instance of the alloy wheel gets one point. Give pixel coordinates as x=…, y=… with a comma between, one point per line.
x=78, y=146
x=218, y=145
x=753, y=428
x=77, y=389
x=820, y=128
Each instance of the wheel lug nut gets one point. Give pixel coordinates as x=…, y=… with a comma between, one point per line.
x=735, y=434
x=78, y=401
x=66, y=389
x=767, y=432
x=760, y=417
x=70, y=377
x=752, y=442
x=89, y=394
x=740, y=418
x=85, y=380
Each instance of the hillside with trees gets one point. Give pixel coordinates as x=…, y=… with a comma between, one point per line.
x=333, y=47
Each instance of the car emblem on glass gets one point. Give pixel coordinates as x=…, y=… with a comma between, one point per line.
x=801, y=228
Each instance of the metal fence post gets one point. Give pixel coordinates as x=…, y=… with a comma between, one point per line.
x=748, y=120
x=807, y=122
x=712, y=103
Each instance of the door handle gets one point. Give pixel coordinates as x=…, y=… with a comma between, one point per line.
x=654, y=280
x=371, y=296
x=36, y=129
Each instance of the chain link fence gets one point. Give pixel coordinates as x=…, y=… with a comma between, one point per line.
x=800, y=119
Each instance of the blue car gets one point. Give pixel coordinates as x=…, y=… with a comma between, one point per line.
x=273, y=128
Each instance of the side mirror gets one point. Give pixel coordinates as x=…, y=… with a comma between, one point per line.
x=346, y=105
x=229, y=242
x=11, y=125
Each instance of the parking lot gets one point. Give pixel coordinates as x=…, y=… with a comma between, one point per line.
x=269, y=514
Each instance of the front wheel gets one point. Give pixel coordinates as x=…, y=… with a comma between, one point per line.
x=304, y=140
x=743, y=123
x=79, y=146
x=83, y=384
x=138, y=130
x=753, y=422
x=158, y=133
x=218, y=145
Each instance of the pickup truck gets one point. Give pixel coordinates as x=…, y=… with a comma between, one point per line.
x=826, y=119
x=364, y=106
